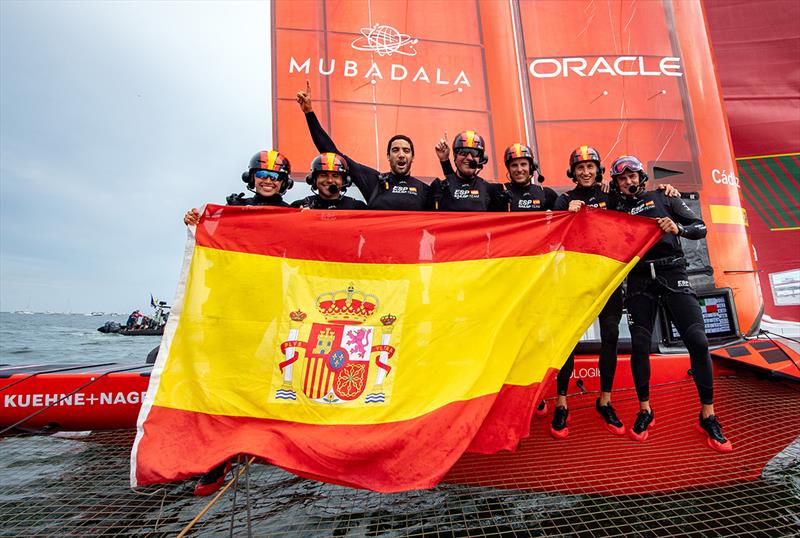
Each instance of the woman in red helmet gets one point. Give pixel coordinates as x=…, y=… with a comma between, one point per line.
x=267, y=177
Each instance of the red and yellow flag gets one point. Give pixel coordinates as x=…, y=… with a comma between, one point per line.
x=371, y=349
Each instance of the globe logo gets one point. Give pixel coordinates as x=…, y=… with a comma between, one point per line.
x=385, y=41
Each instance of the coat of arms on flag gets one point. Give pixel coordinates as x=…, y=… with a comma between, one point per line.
x=337, y=353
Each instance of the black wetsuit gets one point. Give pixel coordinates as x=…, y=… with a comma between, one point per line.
x=592, y=196
x=530, y=197
x=239, y=199
x=661, y=276
x=611, y=314
x=316, y=201
x=454, y=193
x=381, y=191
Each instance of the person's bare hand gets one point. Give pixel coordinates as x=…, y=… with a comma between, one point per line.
x=605, y=186
x=442, y=148
x=667, y=225
x=304, y=98
x=575, y=205
x=669, y=190
x=192, y=217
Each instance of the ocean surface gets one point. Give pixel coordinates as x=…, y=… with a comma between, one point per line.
x=67, y=339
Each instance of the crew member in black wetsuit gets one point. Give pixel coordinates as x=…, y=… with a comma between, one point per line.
x=463, y=189
x=586, y=170
x=329, y=180
x=521, y=192
x=267, y=176
x=397, y=189
x=661, y=276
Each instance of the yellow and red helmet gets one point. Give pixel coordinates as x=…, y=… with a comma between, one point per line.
x=469, y=140
x=271, y=161
x=519, y=150
x=583, y=154
x=329, y=162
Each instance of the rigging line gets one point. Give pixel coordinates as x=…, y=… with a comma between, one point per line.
x=213, y=501
x=64, y=397
x=781, y=348
x=54, y=370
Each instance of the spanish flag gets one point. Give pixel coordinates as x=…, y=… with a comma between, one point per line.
x=371, y=349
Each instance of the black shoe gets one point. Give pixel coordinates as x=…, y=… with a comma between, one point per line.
x=558, y=428
x=541, y=410
x=711, y=427
x=212, y=480
x=613, y=423
x=644, y=420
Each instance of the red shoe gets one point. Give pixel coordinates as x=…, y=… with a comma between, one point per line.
x=644, y=421
x=558, y=428
x=211, y=481
x=712, y=429
x=541, y=410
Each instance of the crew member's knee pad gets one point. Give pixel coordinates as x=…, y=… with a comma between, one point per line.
x=695, y=338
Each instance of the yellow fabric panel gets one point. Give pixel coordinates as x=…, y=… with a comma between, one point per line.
x=727, y=214
x=463, y=329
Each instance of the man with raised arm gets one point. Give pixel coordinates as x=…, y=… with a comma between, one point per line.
x=396, y=190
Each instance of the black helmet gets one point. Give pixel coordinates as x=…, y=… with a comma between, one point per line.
x=583, y=154
x=271, y=161
x=329, y=162
x=628, y=163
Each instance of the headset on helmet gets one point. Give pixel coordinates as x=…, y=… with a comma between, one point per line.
x=631, y=164
x=329, y=162
x=519, y=150
x=271, y=161
x=581, y=154
x=471, y=140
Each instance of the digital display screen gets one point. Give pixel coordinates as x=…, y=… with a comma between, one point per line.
x=718, y=316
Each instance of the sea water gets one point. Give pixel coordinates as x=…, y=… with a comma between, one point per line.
x=67, y=339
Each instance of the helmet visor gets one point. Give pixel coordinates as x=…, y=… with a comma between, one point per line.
x=630, y=164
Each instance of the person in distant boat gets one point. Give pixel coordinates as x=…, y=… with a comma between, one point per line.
x=132, y=319
x=329, y=180
x=463, y=189
x=522, y=194
x=395, y=190
x=660, y=277
x=267, y=176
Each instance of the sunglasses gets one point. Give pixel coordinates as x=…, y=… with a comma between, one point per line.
x=469, y=151
x=267, y=174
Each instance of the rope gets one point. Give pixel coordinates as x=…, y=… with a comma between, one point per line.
x=213, y=501
x=767, y=334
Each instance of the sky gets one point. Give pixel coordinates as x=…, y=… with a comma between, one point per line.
x=115, y=118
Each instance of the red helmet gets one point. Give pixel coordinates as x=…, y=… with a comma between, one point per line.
x=272, y=161
x=583, y=154
x=328, y=162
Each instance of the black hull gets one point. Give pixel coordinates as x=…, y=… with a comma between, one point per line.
x=142, y=332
